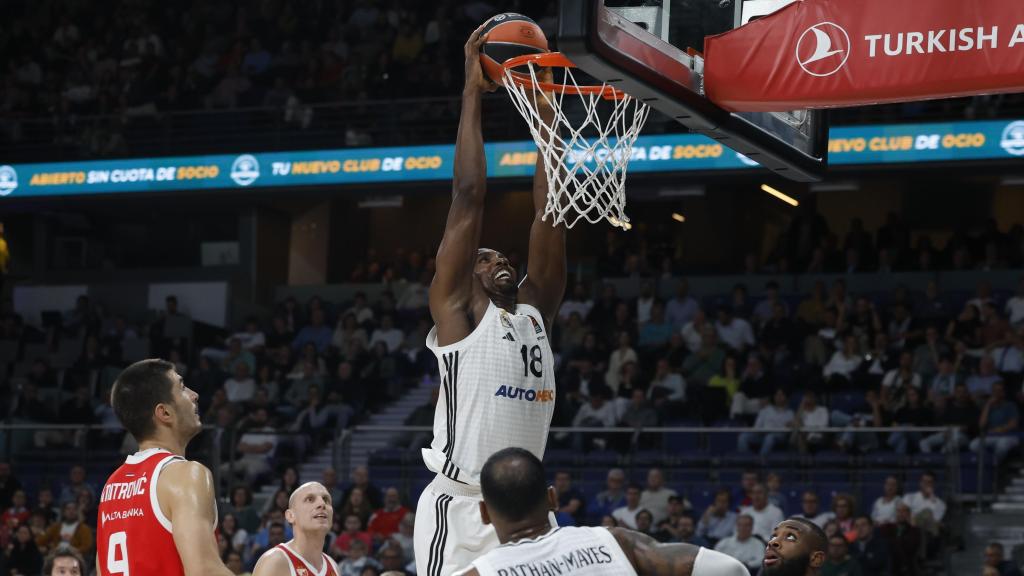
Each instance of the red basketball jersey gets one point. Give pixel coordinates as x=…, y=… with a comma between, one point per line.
x=133, y=537
x=299, y=566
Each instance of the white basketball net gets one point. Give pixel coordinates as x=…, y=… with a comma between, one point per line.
x=585, y=164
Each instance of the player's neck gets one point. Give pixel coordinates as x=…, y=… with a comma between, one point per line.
x=506, y=302
x=309, y=545
x=533, y=530
x=171, y=445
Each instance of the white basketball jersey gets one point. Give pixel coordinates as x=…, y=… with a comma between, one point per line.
x=497, y=391
x=568, y=550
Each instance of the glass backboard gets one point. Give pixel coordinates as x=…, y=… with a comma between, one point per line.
x=651, y=50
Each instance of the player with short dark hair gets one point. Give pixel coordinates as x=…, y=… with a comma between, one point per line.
x=311, y=514
x=157, y=512
x=65, y=561
x=517, y=502
x=491, y=336
x=796, y=548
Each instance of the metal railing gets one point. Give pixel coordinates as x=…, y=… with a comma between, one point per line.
x=342, y=456
x=28, y=443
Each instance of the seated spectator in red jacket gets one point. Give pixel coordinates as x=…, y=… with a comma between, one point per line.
x=384, y=521
x=353, y=531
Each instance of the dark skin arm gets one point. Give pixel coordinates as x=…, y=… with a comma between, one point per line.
x=544, y=284
x=652, y=558
x=451, y=291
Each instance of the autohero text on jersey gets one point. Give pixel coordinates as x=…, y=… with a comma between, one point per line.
x=515, y=393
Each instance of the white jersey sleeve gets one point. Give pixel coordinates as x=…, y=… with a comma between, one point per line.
x=568, y=550
x=497, y=391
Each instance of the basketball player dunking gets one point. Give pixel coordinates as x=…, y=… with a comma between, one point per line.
x=157, y=512
x=311, y=513
x=491, y=340
x=517, y=502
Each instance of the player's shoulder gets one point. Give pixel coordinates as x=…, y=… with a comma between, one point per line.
x=469, y=571
x=184, y=470
x=273, y=561
x=182, y=480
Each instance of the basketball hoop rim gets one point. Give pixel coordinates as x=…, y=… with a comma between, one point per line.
x=555, y=60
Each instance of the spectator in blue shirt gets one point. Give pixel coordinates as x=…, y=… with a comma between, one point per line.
x=655, y=333
x=682, y=308
x=718, y=520
x=999, y=420
x=570, y=501
x=316, y=332
x=613, y=497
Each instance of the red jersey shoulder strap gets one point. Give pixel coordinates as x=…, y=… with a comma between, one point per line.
x=302, y=568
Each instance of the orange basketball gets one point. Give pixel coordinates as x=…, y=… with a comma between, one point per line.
x=509, y=35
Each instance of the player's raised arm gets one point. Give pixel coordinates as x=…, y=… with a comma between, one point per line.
x=652, y=558
x=185, y=493
x=452, y=287
x=544, y=284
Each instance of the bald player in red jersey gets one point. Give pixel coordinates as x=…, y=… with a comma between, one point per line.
x=311, y=514
x=157, y=512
